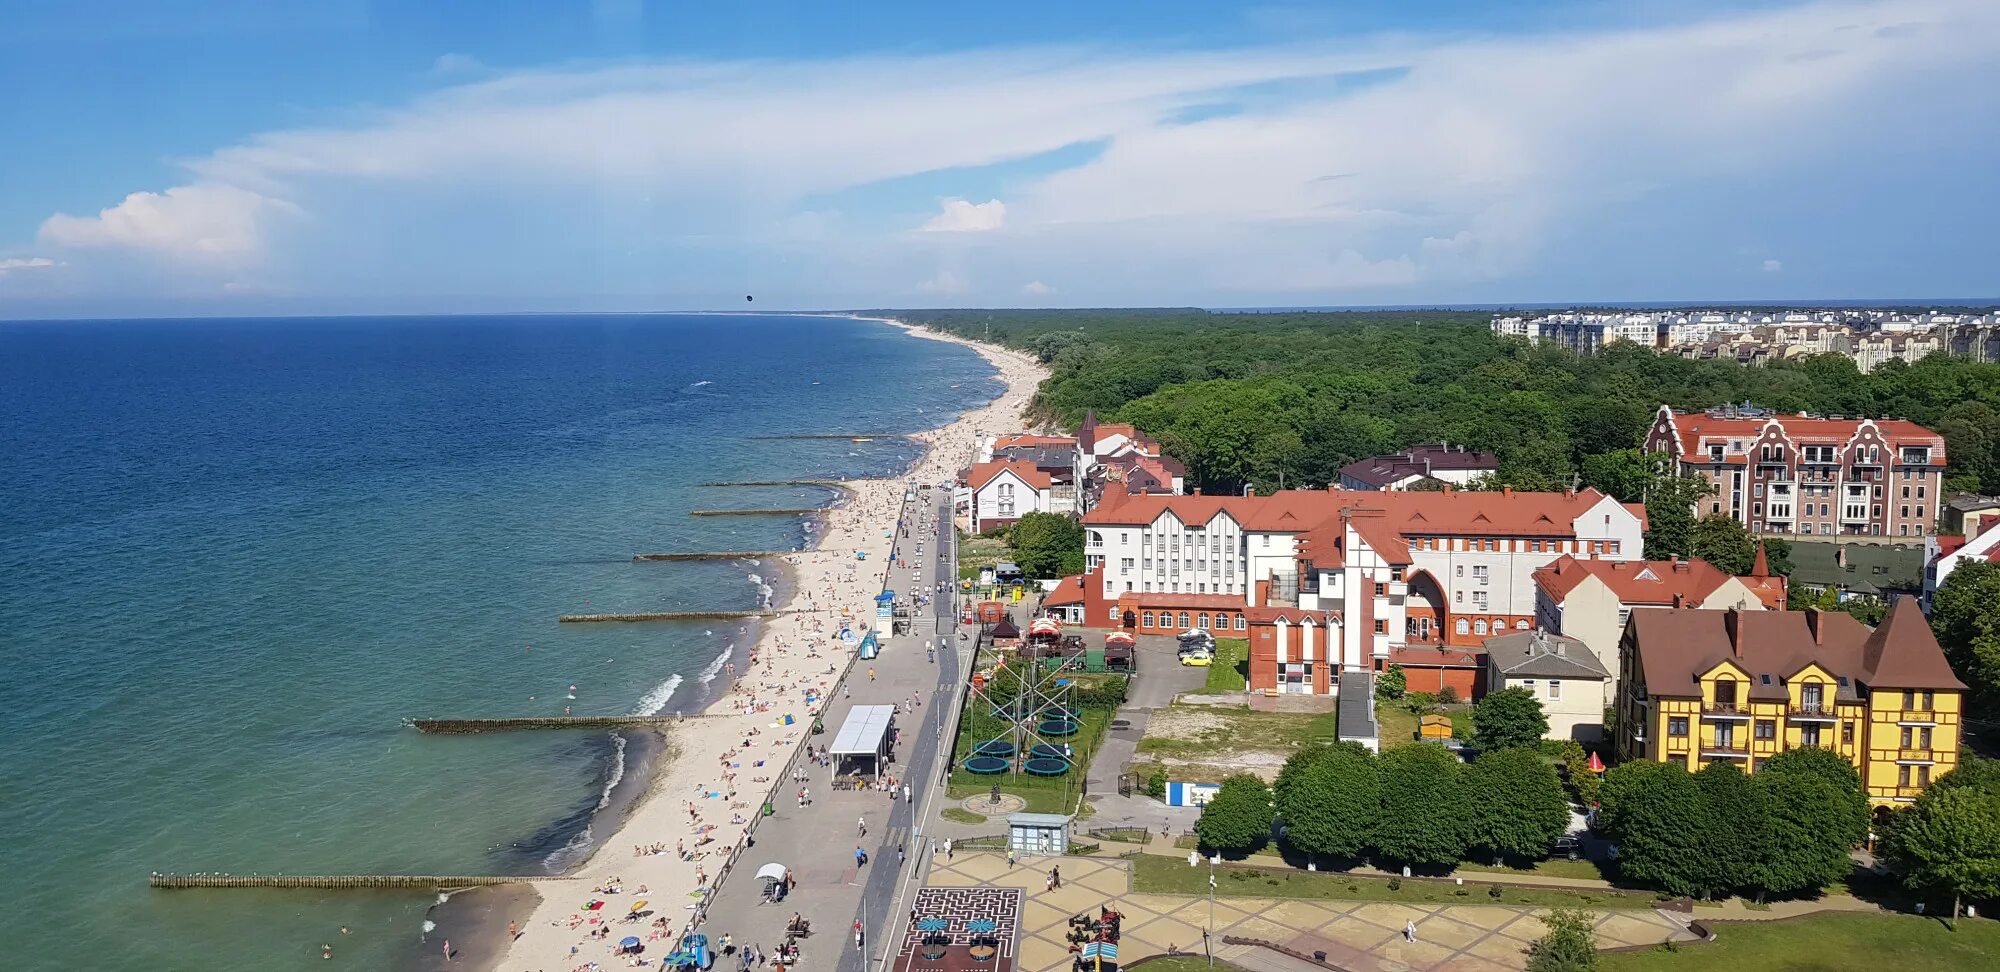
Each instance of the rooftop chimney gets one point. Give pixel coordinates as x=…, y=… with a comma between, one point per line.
x=1506, y=491
x=1730, y=619
x=1816, y=625
x=1682, y=566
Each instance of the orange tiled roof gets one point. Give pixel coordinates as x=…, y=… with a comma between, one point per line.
x=1634, y=582
x=1694, y=427
x=1405, y=514
x=982, y=473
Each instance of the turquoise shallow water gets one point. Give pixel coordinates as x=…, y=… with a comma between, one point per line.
x=236, y=554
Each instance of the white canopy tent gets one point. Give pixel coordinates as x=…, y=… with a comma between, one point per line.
x=865, y=733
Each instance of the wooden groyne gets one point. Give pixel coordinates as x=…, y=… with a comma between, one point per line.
x=461, y=727
x=666, y=616
x=719, y=555
x=798, y=511
x=828, y=483
x=415, y=882
x=852, y=436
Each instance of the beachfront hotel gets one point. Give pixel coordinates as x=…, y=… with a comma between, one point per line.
x=1323, y=582
x=1805, y=474
x=1704, y=686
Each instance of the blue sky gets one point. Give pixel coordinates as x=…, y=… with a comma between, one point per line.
x=254, y=156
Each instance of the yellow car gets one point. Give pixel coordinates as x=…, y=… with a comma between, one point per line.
x=1197, y=659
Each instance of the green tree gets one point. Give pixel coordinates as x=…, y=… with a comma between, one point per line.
x=1048, y=545
x=1965, y=615
x=1422, y=817
x=1328, y=797
x=1722, y=541
x=1663, y=825
x=1392, y=684
x=1847, y=821
x=1507, y=718
x=1578, y=780
x=1670, y=504
x=1514, y=804
x=1237, y=820
x=1973, y=771
x=1802, y=845
x=1625, y=475
x=1731, y=848
x=1948, y=843
x=1569, y=945
x=1623, y=782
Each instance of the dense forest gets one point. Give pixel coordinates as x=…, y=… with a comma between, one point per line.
x=1286, y=399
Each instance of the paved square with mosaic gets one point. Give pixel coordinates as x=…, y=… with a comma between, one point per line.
x=1358, y=936
x=962, y=910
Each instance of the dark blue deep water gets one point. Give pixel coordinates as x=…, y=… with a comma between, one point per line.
x=235, y=554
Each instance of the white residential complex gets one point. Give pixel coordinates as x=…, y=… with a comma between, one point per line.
x=1869, y=336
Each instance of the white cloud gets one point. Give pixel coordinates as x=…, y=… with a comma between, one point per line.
x=945, y=284
x=1455, y=161
x=1773, y=266
x=456, y=65
x=962, y=216
x=202, y=222
x=1036, y=288
x=25, y=263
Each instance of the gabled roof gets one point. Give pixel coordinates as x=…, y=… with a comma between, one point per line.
x=1069, y=590
x=982, y=473
x=1501, y=513
x=1538, y=654
x=1692, y=428
x=1423, y=460
x=1674, y=646
x=1289, y=615
x=1651, y=582
x=1029, y=439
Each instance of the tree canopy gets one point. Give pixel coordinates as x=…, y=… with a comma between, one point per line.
x=1948, y=842
x=1965, y=616
x=1514, y=804
x=1288, y=398
x=1422, y=819
x=1237, y=820
x=1047, y=545
x=1848, y=820
x=1328, y=799
x=1507, y=718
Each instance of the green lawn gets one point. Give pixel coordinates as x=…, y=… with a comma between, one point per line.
x=1167, y=875
x=961, y=815
x=1230, y=671
x=1829, y=943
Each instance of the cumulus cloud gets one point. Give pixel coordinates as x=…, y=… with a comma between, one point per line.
x=1453, y=163
x=1036, y=288
x=204, y=221
x=25, y=263
x=1773, y=266
x=962, y=216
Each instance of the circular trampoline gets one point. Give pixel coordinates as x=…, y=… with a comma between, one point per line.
x=985, y=765
x=1002, y=748
x=1045, y=766
x=1048, y=751
x=1056, y=727
x=1058, y=712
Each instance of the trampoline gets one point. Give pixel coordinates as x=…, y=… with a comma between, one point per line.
x=1046, y=766
x=1057, y=727
x=986, y=765
x=995, y=747
x=1048, y=751
x=1058, y=712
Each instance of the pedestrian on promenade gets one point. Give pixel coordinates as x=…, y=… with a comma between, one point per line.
x=1410, y=930
x=1010, y=857
x=947, y=848
x=861, y=826
x=860, y=857
x=1055, y=876
x=906, y=793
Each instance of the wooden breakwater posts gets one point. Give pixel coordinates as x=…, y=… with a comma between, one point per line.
x=466, y=727
x=797, y=511
x=827, y=483
x=414, y=882
x=666, y=616
x=719, y=555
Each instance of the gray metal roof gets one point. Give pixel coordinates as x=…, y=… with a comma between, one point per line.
x=865, y=732
x=1867, y=568
x=1037, y=820
x=1357, y=705
x=1538, y=654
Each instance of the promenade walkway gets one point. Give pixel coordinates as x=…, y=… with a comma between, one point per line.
x=818, y=842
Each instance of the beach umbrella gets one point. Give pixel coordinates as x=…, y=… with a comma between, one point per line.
x=933, y=924
x=629, y=941
x=982, y=925
x=636, y=905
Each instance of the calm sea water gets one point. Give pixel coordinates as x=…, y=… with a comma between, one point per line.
x=234, y=555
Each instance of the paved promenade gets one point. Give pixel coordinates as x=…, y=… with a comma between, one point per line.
x=818, y=842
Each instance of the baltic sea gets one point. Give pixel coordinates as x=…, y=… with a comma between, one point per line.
x=236, y=554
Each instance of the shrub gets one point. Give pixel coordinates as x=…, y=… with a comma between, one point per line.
x=1392, y=684
x=1420, y=702
x=1447, y=695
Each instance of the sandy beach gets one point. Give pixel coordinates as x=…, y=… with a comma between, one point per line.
x=722, y=765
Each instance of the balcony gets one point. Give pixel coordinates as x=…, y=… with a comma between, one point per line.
x=1730, y=749
x=1725, y=710
x=1916, y=717
x=1813, y=711
x=1908, y=755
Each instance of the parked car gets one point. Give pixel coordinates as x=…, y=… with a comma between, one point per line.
x=1568, y=847
x=1197, y=657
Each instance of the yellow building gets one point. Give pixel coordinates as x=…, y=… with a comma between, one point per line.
x=1700, y=686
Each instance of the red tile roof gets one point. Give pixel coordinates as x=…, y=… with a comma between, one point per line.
x=982, y=473
x=1693, y=427
x=1290, y=615
x=1441, y=657
x=1069, y=590
x=1634, y=582
x=1504, y=513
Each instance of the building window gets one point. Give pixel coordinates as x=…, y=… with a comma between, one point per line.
x=1677, y=726
x=1239, y=622
x=1462, y=627
x=1767, y=729
x=1479, y=626
x=1381, y=626
x=1847, y=734
x=1201, y=620
x=1930, y=700
x=1555, y=689
x=1146, y=619
x=1903, y=775
x=1520, y=626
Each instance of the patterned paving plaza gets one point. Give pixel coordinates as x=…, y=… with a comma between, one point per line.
x=1362, y=936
